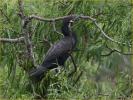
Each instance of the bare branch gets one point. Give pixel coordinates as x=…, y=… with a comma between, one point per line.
x=16, y=40
x=25, y=30
x=21, y=8
x=49, y=19
x=115, y=50
x=60, y=18
x=103, y=33
x=87, y=17
x=78, y=78
x=108, y=53
x=107, y=35
x=54, y=28
x=75, y=67
x=77, y=17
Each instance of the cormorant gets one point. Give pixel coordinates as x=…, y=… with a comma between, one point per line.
x=58, y=53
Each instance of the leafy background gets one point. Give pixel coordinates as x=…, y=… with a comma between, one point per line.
x=106, y=77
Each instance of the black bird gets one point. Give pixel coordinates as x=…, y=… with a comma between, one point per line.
x=58, y=53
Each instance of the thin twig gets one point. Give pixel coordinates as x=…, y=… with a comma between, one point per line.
x=75, y=67
x=77, y=79
x=4, y=14
x=107, y=35
x=115, y=50
x=108, y=53
x=54, y=28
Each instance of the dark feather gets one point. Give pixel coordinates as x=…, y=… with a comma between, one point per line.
x=57, y=54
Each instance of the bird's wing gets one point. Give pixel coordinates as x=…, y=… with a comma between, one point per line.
x=58, y=49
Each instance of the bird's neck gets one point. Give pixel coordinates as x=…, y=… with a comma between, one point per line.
x=66, y=30
x=74, y=38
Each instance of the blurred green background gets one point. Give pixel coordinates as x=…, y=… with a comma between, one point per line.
x=103, y=77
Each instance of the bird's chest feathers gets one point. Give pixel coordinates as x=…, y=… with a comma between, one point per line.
x=70, y=43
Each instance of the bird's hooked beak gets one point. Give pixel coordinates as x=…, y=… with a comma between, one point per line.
x=71, y=21
x=70, y=24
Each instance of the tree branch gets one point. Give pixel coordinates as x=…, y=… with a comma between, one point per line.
x=21, y=8
x=104, y=34
x=25, y=30
x=115, y=50
x=16, y=40
x=49, y=19
x=77, y=17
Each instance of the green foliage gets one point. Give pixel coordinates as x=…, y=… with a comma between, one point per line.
x=103, y=77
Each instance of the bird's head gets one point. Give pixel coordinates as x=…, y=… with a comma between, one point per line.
x=67, y=24
x=68, y=20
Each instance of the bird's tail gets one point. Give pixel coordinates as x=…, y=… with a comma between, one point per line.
x=37, y=74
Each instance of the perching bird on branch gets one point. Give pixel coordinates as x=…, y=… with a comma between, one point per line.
x=58, y=53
